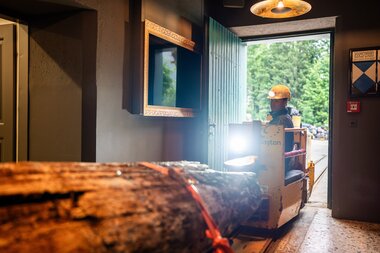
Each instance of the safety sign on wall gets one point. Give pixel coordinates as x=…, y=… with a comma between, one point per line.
x=365, y=72
x=353, y=106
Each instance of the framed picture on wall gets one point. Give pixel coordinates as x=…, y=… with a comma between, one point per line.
x=364, y=72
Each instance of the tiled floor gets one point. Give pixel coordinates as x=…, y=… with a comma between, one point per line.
x=315, y=231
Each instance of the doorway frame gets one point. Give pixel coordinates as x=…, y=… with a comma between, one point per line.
x=331, y=33
x=21, y=88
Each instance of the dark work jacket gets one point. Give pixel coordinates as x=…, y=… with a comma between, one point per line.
x=283, y=118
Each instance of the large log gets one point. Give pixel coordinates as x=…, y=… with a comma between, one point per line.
x=88, y=207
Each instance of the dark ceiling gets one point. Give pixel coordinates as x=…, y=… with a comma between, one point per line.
x=31, y=9
x=231, y=17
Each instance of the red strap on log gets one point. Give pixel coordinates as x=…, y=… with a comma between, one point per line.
x=155, y=167
x=219, y=243
x=295, y=153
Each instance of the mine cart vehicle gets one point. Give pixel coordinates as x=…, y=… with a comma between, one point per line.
x=286, y=178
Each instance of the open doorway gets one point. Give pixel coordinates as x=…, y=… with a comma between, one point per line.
x=302, y=63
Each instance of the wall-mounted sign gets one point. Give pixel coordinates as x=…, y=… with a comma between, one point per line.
x=365, y=72
x=353, y=106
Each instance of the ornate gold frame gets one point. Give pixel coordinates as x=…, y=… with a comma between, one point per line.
x=161, y=32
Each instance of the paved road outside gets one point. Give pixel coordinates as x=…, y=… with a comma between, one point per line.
x=318, y=196
x=319, y=154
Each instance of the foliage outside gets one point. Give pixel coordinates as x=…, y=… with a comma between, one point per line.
x=301, y=65
x=169, y=83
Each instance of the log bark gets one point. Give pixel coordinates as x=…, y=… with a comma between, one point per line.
x=114, y=207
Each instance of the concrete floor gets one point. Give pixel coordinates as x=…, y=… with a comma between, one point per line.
x=315, y=231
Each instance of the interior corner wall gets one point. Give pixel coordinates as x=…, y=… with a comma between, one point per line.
x=178, y=16
x=183, y=138
x=355, y=170
x=120, y=135
x=58, y=70
x=55, y=96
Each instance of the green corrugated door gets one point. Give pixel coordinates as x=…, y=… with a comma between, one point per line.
x=227, y=88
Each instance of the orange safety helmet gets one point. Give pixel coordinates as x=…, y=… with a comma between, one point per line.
x=279, y=91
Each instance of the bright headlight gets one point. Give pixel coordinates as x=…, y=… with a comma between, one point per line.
x=238, y=144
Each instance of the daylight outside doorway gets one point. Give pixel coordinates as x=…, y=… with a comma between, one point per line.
x=303, y=64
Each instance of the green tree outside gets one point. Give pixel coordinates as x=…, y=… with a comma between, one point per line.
x=301, y=65
x=169, y=84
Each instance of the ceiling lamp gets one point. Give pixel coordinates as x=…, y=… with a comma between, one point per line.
x=280, y=8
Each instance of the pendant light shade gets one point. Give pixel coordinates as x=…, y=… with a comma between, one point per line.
x=280, y=8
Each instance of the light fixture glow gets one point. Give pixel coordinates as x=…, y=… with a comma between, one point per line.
x=280, y=4
x=280, y=8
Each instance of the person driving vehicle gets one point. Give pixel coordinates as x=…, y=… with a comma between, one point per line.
x=279, y=96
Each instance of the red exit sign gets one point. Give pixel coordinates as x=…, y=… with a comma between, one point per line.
x=353, y=106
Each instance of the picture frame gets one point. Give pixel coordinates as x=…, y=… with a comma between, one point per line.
x=161, y=44
x=365, y=72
